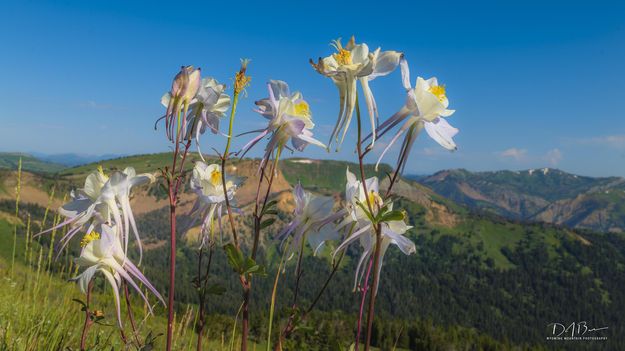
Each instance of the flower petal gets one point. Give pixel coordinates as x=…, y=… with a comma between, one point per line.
x=442, y=132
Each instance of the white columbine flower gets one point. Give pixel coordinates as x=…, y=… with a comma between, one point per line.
x=104, y=199
x=117, y=193
x=102, y=252
x=425, y=107
x=206, y=109
x=311, y=214
x=362, y=228
x=289, y=118
x=207, y=183
x=350, y=63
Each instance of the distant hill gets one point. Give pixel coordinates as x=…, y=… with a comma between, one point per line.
x=10, y=160
x=72, y=159
x=324, y=174
x=548, y=195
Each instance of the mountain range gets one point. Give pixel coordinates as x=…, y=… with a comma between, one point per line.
x=543, y=195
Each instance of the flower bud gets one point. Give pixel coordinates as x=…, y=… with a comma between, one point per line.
x=186, y=84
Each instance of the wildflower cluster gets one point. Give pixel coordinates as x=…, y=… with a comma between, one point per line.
x=366, y=215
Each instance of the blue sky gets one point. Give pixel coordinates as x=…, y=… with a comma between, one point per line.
x=535, y=83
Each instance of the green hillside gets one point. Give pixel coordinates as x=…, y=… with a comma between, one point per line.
x=328, y=175
x=29, y=163
x=142, y=163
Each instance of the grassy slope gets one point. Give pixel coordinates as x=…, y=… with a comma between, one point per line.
x=29, y=163
x=326, y=174
x=37, y=311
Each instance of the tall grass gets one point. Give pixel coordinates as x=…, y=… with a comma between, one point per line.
x=38, y=311
x=17, y=206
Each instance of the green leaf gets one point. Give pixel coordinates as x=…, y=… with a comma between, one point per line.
x=271, y=203
x=366, y=210
x=268, y=207
x=267, y=222
x=381, y=213
x=252, y=268
x=80, y=302
x=235, y=257
x=216, y=289
x=395, y=215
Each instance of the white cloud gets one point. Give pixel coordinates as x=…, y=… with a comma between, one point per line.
x=514, y=153
x=553, y=157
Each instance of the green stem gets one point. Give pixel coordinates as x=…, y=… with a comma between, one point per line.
x=17, y=205
x=273, y=298
x=298, y=269
x=224, y=157
x=235, y=101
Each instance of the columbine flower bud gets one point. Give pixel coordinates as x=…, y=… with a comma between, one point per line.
x=183, y=89
x=186, y=83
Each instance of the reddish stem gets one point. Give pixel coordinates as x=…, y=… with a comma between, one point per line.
x=246, y=282
x=173, y=183
x=172, y=268
x=362, y=303
x=88, y=321
x=131, y=315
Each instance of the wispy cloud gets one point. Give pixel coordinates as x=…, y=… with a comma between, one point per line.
x=514, y=153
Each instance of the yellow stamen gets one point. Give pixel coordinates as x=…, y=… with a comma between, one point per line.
x=375, y=199
x=241, y=81
x=343, y=57
x=89, y=238
x=101, y=170
x=302, y=109
x=215, y=177
x=439, y=92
